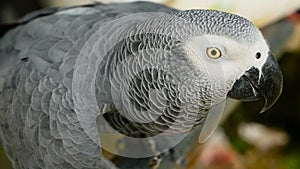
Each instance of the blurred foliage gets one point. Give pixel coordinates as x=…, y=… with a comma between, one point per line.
x=292, y=160
x=10, y=10
x=4, y=162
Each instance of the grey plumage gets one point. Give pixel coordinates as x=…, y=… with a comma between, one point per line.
x=145, y=84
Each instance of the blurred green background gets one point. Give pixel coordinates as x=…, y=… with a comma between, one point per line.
x=246, y=138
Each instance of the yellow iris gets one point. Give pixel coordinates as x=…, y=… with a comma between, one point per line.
x=214, y=52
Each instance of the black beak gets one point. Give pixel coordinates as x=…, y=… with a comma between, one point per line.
x=256, y=84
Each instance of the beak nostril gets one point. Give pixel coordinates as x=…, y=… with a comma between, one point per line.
x=258, y=55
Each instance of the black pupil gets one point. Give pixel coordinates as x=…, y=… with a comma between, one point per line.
x=213, y=52
x=258, y=55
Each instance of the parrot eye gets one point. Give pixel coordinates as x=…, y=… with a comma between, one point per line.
x=213, y=52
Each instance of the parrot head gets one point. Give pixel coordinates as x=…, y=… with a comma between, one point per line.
x=236, y=60
x=235, y=46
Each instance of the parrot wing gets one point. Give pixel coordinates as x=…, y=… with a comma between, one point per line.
x=39, y=127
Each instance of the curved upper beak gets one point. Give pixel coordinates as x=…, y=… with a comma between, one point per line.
x=256, y=84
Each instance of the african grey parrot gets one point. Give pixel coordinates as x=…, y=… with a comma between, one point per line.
x=140, y=69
